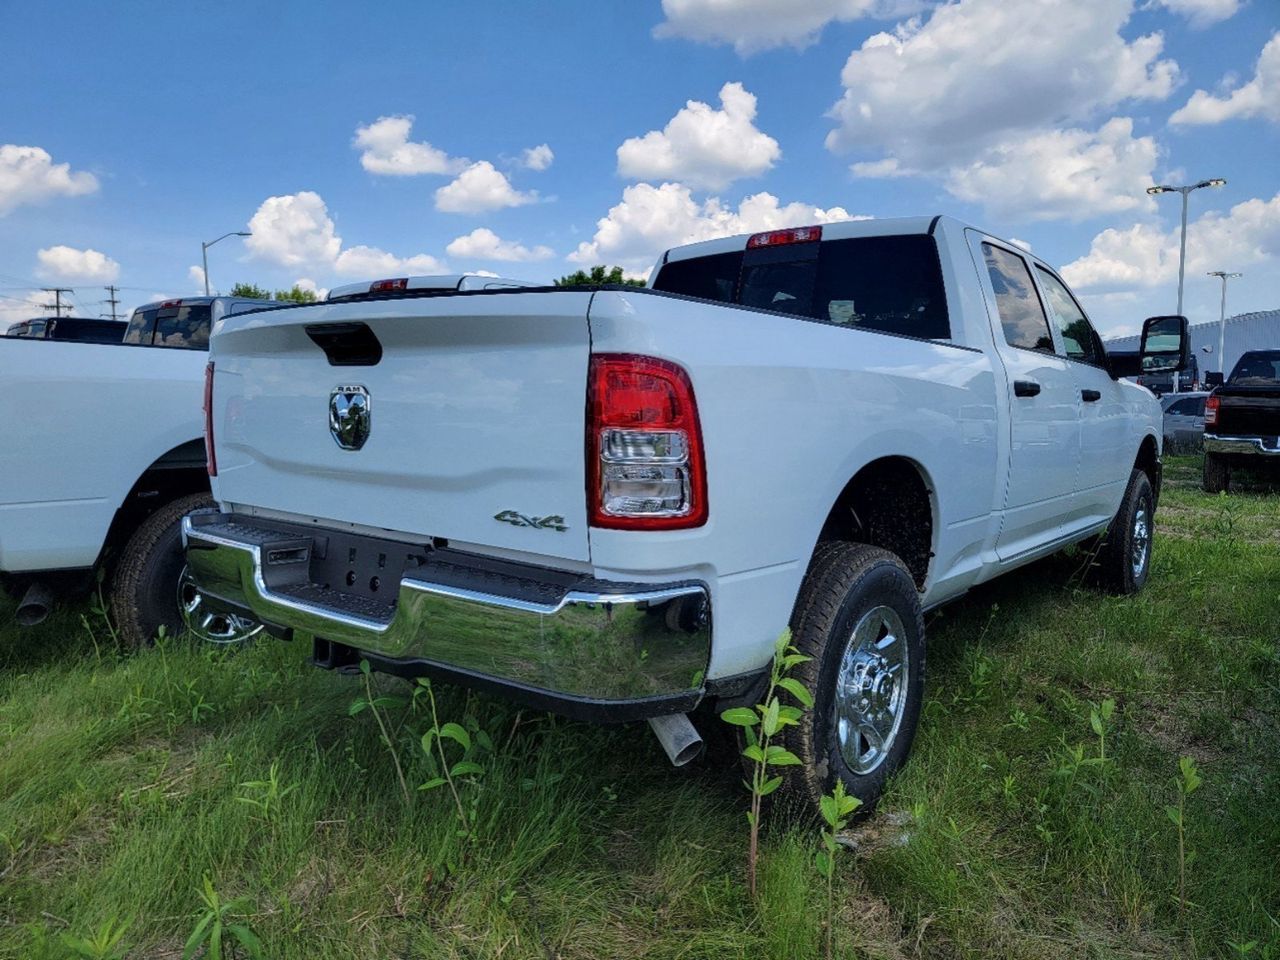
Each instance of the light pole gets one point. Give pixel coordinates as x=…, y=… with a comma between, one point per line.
x=1222, y=319
x=204, y=253
x=1185, y=191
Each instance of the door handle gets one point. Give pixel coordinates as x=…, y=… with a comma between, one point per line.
x=1026, y=388
x=1089, y=396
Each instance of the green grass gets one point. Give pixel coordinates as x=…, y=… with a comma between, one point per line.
x=121, y=780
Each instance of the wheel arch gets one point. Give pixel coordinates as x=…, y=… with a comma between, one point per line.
x=1148, y=461
x=177, y=472
x=889, y=502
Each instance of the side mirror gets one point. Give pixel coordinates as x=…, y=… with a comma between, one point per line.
x=1166, y=345
x=1213, y=379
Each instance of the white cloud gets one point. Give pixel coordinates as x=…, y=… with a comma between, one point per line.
x=195, y=274
x=29, y=175
x=293, y=230
x=1201, y=13
x=483, y=244
x=1260, y=97
x=481, y=188
x=26, y=307
x=306, y=283
x=388, y=151
x=940, y=90
x=537, y=158
x=1145, y=255
x=362, y=261
x=754, y=25
x=651, y=219
x=296, y=230
x=1061, y=174
x=702, y=146
x=62, y=263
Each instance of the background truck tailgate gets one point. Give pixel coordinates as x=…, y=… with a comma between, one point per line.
x=477, y=408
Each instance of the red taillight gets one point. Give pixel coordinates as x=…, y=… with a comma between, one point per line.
x=211, y=458
x=644, y=445
x=389, y=286
x=1211, y=411
x=777, y=238
x=170, y=303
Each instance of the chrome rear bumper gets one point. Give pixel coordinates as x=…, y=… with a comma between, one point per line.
x=580, y=646
x=1252, y=446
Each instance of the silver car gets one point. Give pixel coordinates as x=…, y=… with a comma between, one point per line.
x=1183, y=421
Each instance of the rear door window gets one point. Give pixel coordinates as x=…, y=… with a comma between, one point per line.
x=888, y=284
x=1021, y=314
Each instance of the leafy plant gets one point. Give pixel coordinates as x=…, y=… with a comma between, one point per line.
x=102, y=944
x=376, y=706
x=267, y=795
x=1188, y=782
x=218, y=925
x=445, y=772
x=759, y=725
x=836, y=808
x=1099, y=716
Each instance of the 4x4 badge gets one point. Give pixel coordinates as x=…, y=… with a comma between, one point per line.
x=538, y=523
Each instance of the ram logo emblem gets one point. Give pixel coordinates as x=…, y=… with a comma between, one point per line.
x=349, y=415
x=538, y=523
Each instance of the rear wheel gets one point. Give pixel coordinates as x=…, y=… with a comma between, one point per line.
x=859, y=619
x=151, y=588
x=1217, y=474
x=1124, y=559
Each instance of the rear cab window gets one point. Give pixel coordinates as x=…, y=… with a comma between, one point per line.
x=1257, y=365
x=183, y=326
x=889, y=284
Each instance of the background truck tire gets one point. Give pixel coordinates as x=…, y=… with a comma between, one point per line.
x=1217, y=474
x=854, y=597
x=1124, y=559
x=144, y=594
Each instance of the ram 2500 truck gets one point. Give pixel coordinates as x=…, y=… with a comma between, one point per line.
x=1242, y=420
x=610, y=501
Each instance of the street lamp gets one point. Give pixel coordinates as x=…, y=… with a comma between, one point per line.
x=1185, y=191
x=1222, y=318
x=204, y=253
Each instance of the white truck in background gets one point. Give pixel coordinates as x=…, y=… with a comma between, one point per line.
x=610, y=501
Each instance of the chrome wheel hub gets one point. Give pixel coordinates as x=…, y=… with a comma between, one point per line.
x=1141, y=539
x=208, y=625
x=871, y=690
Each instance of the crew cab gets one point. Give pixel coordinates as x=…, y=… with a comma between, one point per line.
x=1242, y=420
x=610, y=501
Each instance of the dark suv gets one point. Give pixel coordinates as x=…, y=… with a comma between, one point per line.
x=77, y=329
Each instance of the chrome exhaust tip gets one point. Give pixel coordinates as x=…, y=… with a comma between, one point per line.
x=678, y=736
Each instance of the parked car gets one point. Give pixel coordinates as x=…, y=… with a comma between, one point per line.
x=1161, y=383
x=79, y=329
x=1183, y=421
x=1242, y=420
x=103, y=462
x=834, y=428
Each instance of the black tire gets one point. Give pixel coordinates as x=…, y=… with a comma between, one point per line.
x=845, y=583
x=1217, y=474
x=1124, y=559
x=144, y=592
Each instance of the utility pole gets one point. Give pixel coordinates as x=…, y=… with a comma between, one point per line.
x=1222, y=319
x=113, y=300
x=57, y=292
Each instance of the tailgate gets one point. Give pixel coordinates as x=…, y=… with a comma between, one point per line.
x=476, y=411
x=1248, y=411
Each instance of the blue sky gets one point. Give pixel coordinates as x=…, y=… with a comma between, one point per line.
x=135, y=135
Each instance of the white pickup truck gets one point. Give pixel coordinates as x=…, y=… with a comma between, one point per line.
x=101, y=454
x=610, y=501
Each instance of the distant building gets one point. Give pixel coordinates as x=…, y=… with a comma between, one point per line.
x=1246, y=331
